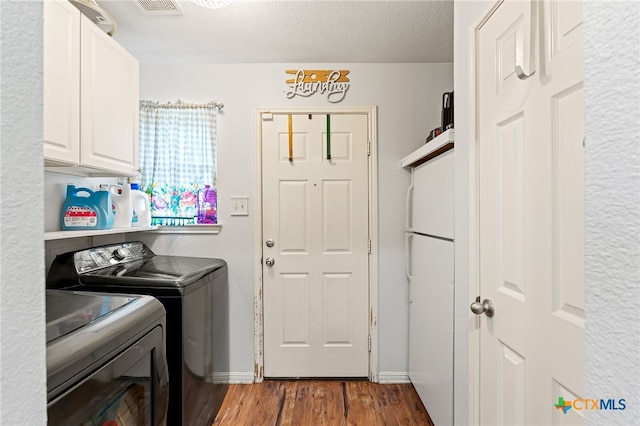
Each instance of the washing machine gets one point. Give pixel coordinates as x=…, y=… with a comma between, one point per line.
x=105, y=359
x=195, y=294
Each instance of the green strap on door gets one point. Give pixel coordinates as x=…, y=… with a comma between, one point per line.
x=328, y=137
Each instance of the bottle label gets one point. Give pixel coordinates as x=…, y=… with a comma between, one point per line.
x=80, y=217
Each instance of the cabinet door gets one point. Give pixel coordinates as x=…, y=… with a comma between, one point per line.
x=109, y=103
x=61, y=86
x=433, y=197
x=431, y=325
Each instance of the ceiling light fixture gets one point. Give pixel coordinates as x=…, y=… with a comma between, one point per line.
x=212, y=4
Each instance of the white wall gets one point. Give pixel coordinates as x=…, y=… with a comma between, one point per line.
x=408, y=97
x=23, y=383
x=612, y=186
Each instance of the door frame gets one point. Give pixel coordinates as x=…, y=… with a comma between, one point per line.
x=258, y=326
x=473, y=354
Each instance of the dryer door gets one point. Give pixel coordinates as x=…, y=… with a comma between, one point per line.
x=131, y=389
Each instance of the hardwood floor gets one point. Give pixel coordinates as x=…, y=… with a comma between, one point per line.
x=322, y=402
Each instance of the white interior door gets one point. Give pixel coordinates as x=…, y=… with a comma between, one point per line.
x=531, y=212
x=315, y=245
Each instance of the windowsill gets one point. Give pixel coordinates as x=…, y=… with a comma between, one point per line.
x=188, y=229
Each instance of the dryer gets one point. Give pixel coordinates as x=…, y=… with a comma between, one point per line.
x=105, y=359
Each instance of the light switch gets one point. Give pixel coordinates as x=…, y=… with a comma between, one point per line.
x=239, y=206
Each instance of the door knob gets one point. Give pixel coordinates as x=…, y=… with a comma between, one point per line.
x=484, y=307
x=269, y=243
x=269, y=261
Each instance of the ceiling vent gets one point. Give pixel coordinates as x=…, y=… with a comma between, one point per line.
x=91, y=10
x=160, y=7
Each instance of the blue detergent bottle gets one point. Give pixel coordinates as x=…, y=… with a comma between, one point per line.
x=84, y=210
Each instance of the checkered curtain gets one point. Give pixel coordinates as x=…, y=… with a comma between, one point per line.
x=177, y=144
x=177, y=154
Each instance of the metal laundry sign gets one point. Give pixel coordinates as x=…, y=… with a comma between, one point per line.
x=331, y=83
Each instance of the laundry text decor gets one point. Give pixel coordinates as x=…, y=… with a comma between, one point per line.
x=331, y=83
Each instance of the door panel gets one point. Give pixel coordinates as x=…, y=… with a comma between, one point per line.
x=294, y=217
x=336, y=216
x=315, y=294
x=531, y=214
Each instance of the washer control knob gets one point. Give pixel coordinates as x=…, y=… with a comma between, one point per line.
x=119, y=254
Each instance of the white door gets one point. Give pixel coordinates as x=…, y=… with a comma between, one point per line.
x=531, y=213
x=315, y=231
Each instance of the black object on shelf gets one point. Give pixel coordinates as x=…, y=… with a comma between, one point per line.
x=435, y=132
x=447, y=111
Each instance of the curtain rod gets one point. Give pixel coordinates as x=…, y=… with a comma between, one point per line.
x=179, y=104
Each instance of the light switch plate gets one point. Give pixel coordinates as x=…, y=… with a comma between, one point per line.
x=239, y=206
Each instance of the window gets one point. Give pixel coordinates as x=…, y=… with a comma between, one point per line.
x=178, y=160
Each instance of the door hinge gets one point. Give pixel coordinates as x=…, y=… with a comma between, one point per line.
x=369, y=342
x=368, y=148
x=369, y=246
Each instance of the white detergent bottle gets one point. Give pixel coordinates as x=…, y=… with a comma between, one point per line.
x=141, y=207
x=121, y=201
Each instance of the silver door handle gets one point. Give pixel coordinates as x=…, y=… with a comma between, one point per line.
x=484, y=307
x=269, y=243
x=522, y=75
x=269, y=261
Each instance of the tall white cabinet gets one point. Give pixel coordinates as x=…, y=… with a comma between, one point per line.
x=430, y=269
x=91, y=97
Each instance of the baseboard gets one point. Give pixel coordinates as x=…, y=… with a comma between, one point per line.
x=237, y=377
x=390, y=377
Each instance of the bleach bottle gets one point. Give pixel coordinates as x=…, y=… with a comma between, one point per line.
x=85, y=210
x=141, y=207
x=121, y=202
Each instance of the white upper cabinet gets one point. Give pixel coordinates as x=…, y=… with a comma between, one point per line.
x=61, y=96
x=90, y=97
x=108, y=102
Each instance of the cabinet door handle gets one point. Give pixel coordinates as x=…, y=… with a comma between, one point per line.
x=522, y=75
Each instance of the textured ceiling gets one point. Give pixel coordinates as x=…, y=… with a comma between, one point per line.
x=274, y=31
